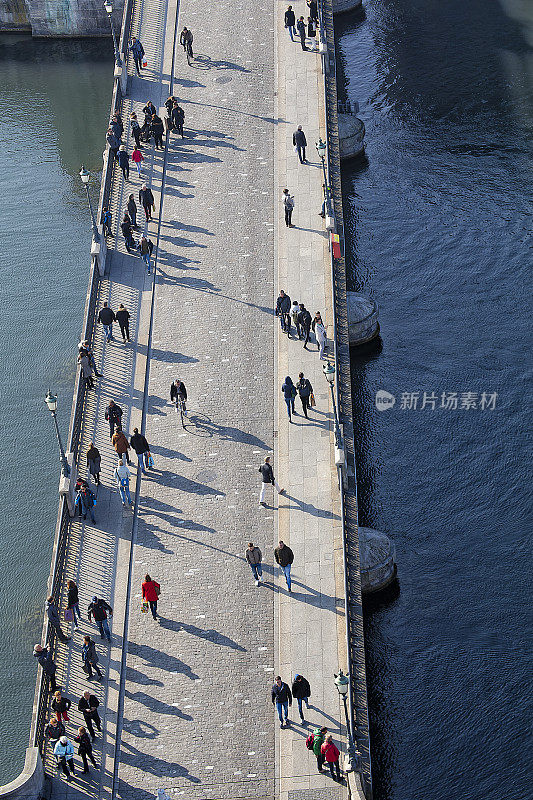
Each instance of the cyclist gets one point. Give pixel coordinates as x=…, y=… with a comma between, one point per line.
x=178, y=392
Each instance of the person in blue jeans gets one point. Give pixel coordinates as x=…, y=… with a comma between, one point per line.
x=254, y=557
x=289, y=393
x=122, y=477
x=106, y=318
x=302, y=692
x=141, y=447
x=290, y=22
x=282, y=699
x=284, y=557
x=99, y=609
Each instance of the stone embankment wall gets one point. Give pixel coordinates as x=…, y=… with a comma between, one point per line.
x=58, y=17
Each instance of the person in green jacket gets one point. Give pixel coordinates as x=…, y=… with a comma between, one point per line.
x=319, y=736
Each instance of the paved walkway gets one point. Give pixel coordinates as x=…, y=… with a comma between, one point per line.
x=197, y=719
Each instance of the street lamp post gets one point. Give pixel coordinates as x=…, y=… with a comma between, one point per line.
x=51, y=402
x=342, y=683
x=321, y=149
x=329, y=374
x=85, y=176
x=109, y=8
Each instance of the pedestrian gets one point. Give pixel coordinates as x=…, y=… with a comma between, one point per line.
x=290, y=22
x=302, y=692
x=178, y=392
x=107, y=317
x=116, y=125
x=54, y=730
x=73, y=602
x=89, y=658
x=295, y=311
x=284, y=557
x=146, y=199
x=145, y=248
x=169, y=102
x=61, y=706
x=86, y=369
x=131, y=209
x=289, y=393
x=99, y=609
x=135, y=129
x=47, y=664
x=157, y=129
x=319, y=329
x=137, y=51
x=313, y=10
x=124, y=161
x=137, y=158
x=120, y=443
x=88, y=705
x=94, y=462
x=64, y=753
x=254, y=557
x=113, y=415
x=186, y=39
x=299, y=141
x=150, y=592
x=140, y=445
x=113, y=141
x=331, y=753
x=282, y=699
x=122, y=477
x=319, y=736
x=302, y=31
x=106, y=220
x=86, y=501
x=85, y=748
x=127, y=232
x=53, y=618
x=305, y=390
x=267, y=477
x=288, y=205
x=311, y=32
x=149, y=110
x=123, y=318
x=283, y=310
x=177, y=115
x=83, y=348
x=304, y=318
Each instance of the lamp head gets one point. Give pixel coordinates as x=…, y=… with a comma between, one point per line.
x=329, y=372
x=108, y=7
x=84, y=175
x=51, y=401
x=342, y=683
x=321, y=148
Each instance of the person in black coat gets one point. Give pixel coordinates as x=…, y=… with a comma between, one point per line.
x=300, y=142
x=106, y=318
x=157, y=130
x=131, y=208
x=127, y=232
x=146, y=199
x=113, y=142
x=305, y=391
x=178, y=118
x=141, y=447
x=290, y=22
x=88, y=705
x=113, y=415
x=137, y=51
x=85, y=748
x=302, y=31
x=124, y=161
x=313, y=11
x=282, y=699
x=47, y=664
x=54, y=730
x=283, y=310
x=304, y=318
x=302, y=692
x=123, y=319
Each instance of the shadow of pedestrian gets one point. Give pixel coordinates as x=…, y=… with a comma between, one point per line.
x=155, y=705
x=209, y=634
x=161, y=660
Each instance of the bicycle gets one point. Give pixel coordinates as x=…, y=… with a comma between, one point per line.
x=180, y=406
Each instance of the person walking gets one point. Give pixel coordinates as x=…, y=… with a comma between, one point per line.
x=177, y=115
x=178, y=392
x=99, y=609
x=89, y=658
x=299, y=141
x=319, y=329
x=186, y=40
x=295, y=310
x=54, y=730
x=150, y=592
x=136, y=130
x=254, y=557
x=86, y=501
x=85, y=748
x=331, y=753
x=290, y=22
x=137, y=158
x=47, y=664
x=145, y=248
x=137, y=51
x=124, y=161
x=61, y=706
x=131, y=209
x=319, y=736
x=284, y=557
x=116, y=125
x=146, y=199
x=53, y=618
x=64, y=753
x=139, y=443
x=120, y=443
x=113, y=415
x=73, y=602
x=288, y=390
x=106, y=220
x=84, y=349
x=86, y=369
x=267, y=477
x=123, y=318
x=106, y=318
x=122, y=477
x=283, y=310
x=127, y=232
x=282, y=699
x=94, y=462
x=88, y=705
x=149, y=110
x=302, y=32
x=157, y=129
x=288, y=205
x=305, y=390
x=113, y=141
x=302, y=692
x=304, y=318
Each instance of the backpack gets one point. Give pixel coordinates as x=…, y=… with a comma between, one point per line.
x=310, y=741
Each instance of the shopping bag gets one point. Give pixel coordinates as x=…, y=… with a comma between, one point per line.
x=312, y=400
x=150, y=461
x=145, y=62
x=69, y=615
x=145, y=608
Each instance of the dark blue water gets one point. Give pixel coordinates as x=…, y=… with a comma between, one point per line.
x=438, y=223
x=54, y=103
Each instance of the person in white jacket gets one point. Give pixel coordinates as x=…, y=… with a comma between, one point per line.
x=319, y=329
x=64, y=753
x=122, y=477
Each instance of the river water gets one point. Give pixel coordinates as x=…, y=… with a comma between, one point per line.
x=438, y=223
x=54, y=104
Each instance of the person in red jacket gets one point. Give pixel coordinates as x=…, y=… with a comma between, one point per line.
x=151, y=591
x=331, y=756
